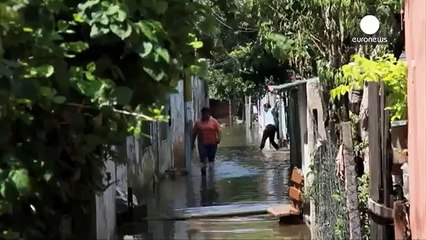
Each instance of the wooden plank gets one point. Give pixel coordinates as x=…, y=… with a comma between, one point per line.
x=295, y=194
x=294, y=127
x=386, y=158
x=386, y=148
x=283, y=211
x=380, y=209
x=374, y=140
x=223, y=210
x=297, y=176
x=401, y=220
x=375, y=155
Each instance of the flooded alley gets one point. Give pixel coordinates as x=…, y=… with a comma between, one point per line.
x=242, y=174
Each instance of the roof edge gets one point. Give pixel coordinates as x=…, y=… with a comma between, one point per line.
x=292, y=84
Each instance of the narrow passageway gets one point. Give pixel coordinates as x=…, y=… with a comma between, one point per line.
x=241, y=174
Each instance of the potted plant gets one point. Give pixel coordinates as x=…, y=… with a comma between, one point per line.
x=393, y=73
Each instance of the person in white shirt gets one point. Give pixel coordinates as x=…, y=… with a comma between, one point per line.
x=270, y=127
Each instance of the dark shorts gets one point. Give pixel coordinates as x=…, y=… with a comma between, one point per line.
x=207, y=151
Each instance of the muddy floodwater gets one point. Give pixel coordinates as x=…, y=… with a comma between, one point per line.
x=241, y=174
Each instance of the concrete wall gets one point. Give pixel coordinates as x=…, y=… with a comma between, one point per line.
x=200, y=100
x=105, y=207
x=200, y=97
x=141, y=165
x=315, y=131
x=148, y=164
x=271, y=99
x=314, y=119
x=178, y=127
x=147, y=159
x=283, y=120
x=121, y=169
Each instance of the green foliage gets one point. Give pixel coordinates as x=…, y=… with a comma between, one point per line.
x=307, y=36
x=76, y=77
x=315, y=35
x=224, y=86
x=393, y=73
x=240, y=53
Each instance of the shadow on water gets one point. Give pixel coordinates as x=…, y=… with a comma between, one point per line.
x=241, y=174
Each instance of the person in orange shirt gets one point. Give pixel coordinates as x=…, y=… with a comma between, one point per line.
x=207, y=130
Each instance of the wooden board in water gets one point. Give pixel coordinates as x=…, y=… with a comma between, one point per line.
x=283, y=210
x=224, y=210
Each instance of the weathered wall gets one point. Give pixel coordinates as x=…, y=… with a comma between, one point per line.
x=271, y=99
x=178, y=127
x=314, y=120
x=105, y=207
x=193, y=111
x=148, y=162
x=315, y=131
x=283, y=120
x=415, y=33
x=148, y=158
x=141, y=165
x=200, y=97
x=121, y=169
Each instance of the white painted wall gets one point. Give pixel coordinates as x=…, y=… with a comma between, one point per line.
x=121, y=169
x=313, y=100
x=283, y=121
x=193, y=110
x=271, y=99
x=302, y=104
x=143, y=163
x=105, y=208
x=167, y=153
x=199, y=97
x=178, y=126
x=121, y=174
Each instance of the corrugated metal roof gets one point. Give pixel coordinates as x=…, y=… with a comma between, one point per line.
x=292, y=84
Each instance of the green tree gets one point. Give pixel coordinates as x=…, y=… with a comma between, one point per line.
x=242, y=63
x=315, y=36
x=76, y=77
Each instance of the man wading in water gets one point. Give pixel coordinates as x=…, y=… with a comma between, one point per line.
x=271, y=127
x=207, y=129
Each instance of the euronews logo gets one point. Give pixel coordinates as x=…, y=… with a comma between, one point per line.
x=369, y=25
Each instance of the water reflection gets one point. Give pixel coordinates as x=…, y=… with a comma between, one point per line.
x=241, y=174
x=208, y=192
